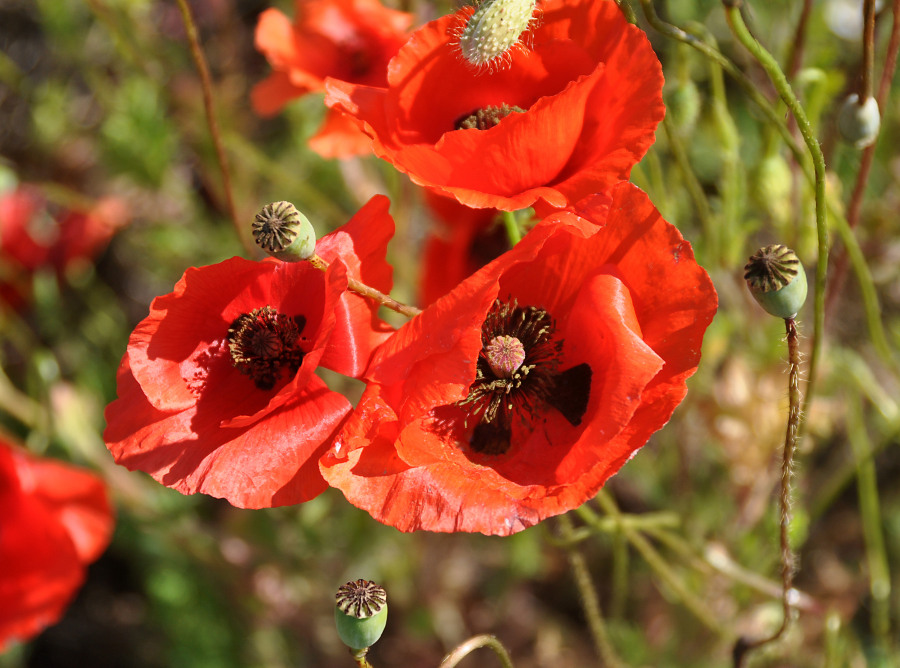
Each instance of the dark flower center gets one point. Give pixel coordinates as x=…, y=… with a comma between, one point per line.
x=486, y=117
x=265, y=344
x=518, y=374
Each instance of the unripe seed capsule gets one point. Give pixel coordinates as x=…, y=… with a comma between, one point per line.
x=777, y=280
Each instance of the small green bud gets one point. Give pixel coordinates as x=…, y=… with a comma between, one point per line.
x=777, y=280
x=859, y=123
x=494, y=29
x=283, y=232
x=360, y=613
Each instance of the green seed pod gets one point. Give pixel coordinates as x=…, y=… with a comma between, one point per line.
x=777, y=280
x=283, y=232
x=859, y=123
x=494, y=29
x=360, y=613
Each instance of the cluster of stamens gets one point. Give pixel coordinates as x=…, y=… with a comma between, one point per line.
x=517, y=373
x=265, y=344
x=486, y=117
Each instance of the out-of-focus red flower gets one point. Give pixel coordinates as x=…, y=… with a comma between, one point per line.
x=31, y=238
x=516, y=396
x=461, y=241
x=350, y=40
x=56, y=520
x=575, y=112
x=217, y=392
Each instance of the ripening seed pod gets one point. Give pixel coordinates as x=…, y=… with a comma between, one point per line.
x=777, y=280
x=360, y=613
x=283, y=232
x=859, y=123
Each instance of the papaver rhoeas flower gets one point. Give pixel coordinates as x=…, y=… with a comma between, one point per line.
x=56, y=520
x=567, y=118
x=517, y=395
x=350, y=40
x=218, y=392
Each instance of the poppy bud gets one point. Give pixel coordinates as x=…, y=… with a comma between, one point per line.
x=283, y=232
x=494, y=29
x=859, y=123
x=777, y=280
x=360, y=613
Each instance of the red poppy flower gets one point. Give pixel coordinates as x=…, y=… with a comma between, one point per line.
x=350, y=40
x=218, y=392
x=461, y=242
x=569, y=117
x=56, y=521
x=516, y=396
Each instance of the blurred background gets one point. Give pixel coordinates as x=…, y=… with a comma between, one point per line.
x=102, y=123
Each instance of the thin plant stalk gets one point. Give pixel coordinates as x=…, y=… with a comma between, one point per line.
x=513, y=233
x=788, y=565
x=212, y=123
x=477, y=642
x=589, y=600
x=772, y=69
x=360, y=288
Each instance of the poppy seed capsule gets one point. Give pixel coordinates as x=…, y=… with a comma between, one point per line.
x=777, y=280
x=360, y=613
x=285, y=233
x=494, y=29
x=859, y=123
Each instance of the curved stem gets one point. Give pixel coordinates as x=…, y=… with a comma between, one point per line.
x=739, y=29
x=477, y=642
x=368, y=292
x=589, y=600
x=206, y=85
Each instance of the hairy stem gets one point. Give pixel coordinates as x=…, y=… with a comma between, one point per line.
x=788, y=596
x=206, y=85
x=739, y=29
x=368, y=292
x=589, y=600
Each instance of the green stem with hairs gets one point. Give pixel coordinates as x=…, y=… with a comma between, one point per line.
x=778, y=79
x=360, y=288
x=589, y=600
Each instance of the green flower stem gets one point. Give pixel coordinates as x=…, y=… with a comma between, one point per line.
x=477, y=642
x=627, y=11
x=364, y=290
x=693, y=603
x=787, y=473
x=206, y=85
x=739, y=29
x=876, y=555
x=513, y=233
x=589, y=600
